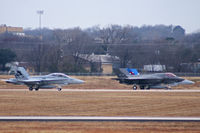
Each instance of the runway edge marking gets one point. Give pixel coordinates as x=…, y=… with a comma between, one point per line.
x=99, y=118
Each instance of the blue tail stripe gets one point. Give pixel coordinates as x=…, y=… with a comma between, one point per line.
x=132, y=71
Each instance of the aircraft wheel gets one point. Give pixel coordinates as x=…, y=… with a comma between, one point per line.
x=148, y=88
x=134, y=87
x=30, y=88
x=142, y=87
x=168, y=88
x=59, y=89
x=36, y=89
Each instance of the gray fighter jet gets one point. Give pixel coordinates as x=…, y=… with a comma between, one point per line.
x=147, y=81
x=53, y=80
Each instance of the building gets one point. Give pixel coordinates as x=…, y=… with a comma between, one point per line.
x=154, y=68
x=101, y=63
x=9, y=29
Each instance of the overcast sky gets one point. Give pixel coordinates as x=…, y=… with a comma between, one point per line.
x=87, y=13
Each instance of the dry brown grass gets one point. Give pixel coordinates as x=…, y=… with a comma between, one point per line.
x=100, y=103
x=99, y=127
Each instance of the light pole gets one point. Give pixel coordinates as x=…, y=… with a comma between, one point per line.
x=40, y=12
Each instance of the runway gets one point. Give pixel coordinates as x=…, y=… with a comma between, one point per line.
x=99, y=118
x=104, y=90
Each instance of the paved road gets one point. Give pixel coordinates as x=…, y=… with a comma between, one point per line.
x=104, y=90
x=98, y=118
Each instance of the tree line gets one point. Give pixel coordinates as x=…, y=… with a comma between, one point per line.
x=59, y=50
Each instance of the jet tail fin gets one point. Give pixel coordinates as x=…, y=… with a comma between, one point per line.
x=20, y=72
x=125, y=72
x=132, y=71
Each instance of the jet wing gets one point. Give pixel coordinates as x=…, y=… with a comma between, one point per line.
x=141, y=80
x=40, y=81
x=12, y=81
x=139, y=77
x=143, y=77
x=31, y=81
x=4, y=80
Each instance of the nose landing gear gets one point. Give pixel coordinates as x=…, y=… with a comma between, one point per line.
x=59, y=89
x=134, y=87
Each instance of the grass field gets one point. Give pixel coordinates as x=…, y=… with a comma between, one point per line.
x=99, y=103
x=99, y=127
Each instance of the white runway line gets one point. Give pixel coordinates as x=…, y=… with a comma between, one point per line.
x=98, y=118
x=112, y=90
x=103, y=90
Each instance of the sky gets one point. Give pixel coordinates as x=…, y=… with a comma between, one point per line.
x=87, y=13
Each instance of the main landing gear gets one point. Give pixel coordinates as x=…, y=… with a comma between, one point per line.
x=142, y=87
x=32, y=88
x=168, y=88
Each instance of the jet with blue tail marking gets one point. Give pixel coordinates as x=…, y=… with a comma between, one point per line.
x=147, y=81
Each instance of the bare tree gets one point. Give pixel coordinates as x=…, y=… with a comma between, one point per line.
x=74, y=43
x=36, y=56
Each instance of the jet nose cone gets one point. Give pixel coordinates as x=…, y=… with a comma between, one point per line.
x=187, y=82
x=81, y=81
x=78, y=81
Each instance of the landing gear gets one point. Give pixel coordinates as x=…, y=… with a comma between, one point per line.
x=148, y=88
x=59, y=89
x=168, y=88
x=134, y=87
x=36, y=89
x=30, y=88
x=142, y=87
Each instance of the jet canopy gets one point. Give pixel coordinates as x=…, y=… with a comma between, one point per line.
x=170, y=75
x=60, y=75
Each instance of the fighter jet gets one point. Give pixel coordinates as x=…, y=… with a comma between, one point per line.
x=147, y=81
x=53, y=80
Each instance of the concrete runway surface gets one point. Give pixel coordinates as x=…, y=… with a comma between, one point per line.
x=99, y=118
x=104, y=90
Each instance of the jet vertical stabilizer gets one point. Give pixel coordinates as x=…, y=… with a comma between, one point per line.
x=132, y=71
x=126, y=72
x=20, y=73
